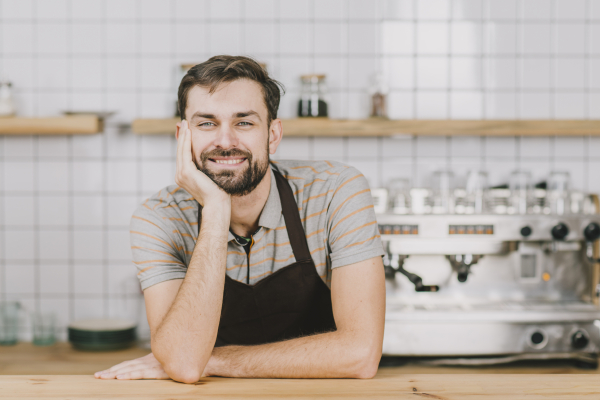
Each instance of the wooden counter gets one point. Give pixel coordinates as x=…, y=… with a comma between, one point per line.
x=58, y=371
x=383, y=386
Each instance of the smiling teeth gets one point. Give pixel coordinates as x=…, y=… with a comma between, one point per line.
x=228, y=161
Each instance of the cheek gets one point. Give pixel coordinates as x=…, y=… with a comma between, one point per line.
x=198, y=146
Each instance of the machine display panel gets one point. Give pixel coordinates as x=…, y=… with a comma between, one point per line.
x=471, y=229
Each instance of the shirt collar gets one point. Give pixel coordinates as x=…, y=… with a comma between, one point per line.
x=271, y=212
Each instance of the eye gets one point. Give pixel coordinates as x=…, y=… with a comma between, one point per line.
x=245, y=123
x=206, y=124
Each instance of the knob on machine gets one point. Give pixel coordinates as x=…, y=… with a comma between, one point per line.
x=579, y=340
x=559, y=231
x=526, y=231
x=592, y=232
x=537, y=339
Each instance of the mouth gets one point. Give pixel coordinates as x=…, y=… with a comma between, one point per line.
x=228, y=161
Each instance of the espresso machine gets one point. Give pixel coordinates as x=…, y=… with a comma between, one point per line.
x=480, y=275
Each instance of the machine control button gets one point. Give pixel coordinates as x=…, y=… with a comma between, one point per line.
x=560, y=231
x=537, y=338
x=579, y=340
x=526, y=231
x=592, y=231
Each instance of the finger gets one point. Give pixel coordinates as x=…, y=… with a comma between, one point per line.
x=180, y=139
x=147, y=373
x=187, y=147
x=111, y=373
x=124, y=370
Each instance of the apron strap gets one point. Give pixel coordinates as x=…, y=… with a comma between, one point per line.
x=293, y=224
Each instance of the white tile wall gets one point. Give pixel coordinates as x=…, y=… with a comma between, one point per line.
x=65, y=202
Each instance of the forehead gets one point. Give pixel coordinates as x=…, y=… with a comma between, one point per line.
x=229, y=97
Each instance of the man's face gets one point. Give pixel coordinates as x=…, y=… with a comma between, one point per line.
x=230, y=135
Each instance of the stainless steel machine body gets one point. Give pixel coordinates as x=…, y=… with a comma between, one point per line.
x=490, y=285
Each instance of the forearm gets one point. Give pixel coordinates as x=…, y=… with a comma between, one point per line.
x=328, y=355
x=186, y=336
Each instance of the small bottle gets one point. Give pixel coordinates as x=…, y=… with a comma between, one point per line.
x=378, y=93
x=7, y=104
x=313, y=97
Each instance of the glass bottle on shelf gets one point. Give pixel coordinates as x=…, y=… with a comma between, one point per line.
x=313, y=96
x=378, y=95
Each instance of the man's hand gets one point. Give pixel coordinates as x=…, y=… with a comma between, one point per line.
x=188, y=177
x=146, y=367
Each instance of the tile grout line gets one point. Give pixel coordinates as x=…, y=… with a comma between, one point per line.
x=105, y=222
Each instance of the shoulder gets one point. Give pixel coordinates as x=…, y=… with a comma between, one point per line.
x=306, y=172
x=171, y=203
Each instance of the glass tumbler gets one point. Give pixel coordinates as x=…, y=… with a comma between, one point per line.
x=9, y=322
x=442, y=186
x=521, y=192
x=44, y=327
x=399, y=195
x=558, y=192
x=476, y=192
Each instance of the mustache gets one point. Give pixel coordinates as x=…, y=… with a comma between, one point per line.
x=225, y=153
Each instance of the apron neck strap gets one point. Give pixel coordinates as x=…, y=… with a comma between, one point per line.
x=293, y=224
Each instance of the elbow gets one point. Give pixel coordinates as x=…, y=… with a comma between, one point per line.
x=183, y=374
x=367, y=362
x=177, y=370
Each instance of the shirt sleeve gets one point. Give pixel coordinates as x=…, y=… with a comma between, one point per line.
x=157, y=255
x=352, y=225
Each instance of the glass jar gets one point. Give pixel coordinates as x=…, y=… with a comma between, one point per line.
x=313, y=96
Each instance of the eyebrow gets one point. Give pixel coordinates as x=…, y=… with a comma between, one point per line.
x=202, y=115
x=247, y=114
x=242, y=114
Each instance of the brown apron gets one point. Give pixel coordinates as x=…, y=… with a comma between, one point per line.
x=292, y=302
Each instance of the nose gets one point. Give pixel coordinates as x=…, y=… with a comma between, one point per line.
x=226, y=137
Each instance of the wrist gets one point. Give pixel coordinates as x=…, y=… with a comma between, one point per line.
x=212, y=366
x=219, y=215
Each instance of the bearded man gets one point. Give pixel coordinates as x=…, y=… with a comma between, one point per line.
x=251, y=267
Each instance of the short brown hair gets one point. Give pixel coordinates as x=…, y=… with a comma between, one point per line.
x=219, y=69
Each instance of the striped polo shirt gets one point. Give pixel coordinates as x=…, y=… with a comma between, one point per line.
x=335, y=206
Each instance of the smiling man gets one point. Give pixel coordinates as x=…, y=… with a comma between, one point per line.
x=251, y=267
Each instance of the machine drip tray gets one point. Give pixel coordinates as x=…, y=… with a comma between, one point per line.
x=510, y=312
x=536, y=360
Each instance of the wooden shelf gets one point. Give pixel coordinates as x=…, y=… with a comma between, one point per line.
x=381, y=127
x=67, y=125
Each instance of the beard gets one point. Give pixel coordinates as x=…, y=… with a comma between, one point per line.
x=235, y=183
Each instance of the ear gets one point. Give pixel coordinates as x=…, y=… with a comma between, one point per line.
x=275, y=135
x=179, y=128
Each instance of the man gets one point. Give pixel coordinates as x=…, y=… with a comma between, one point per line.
x=252, y=268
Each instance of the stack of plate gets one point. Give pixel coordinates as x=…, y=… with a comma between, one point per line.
x=102, y=334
